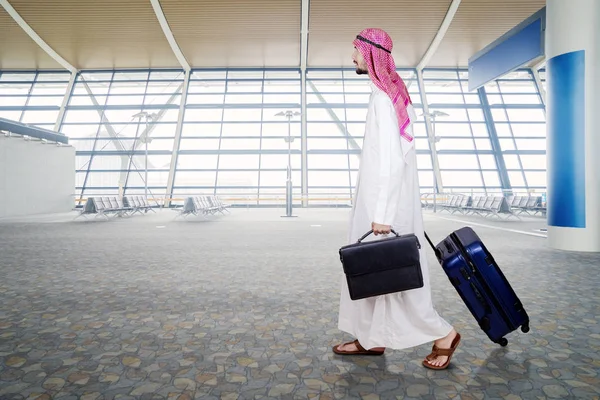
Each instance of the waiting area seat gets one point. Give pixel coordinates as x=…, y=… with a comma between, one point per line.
x=202, y=205
x=113, y=206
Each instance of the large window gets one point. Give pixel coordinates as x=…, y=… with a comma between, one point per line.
x=520, y=121
x=336, y=104
x=233, y=142
x=234, y=138
x=32, y=97
x=101, y=123
x=462, y=137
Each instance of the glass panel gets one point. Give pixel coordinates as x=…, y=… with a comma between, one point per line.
x=207, y=130
x=468, y=179
x=238, y=161
x=533, y=161
x=327, y=144
x=507, y=144
x=526, y=115
x=203, y=115
x=273, y=178
x=483, y=144
x=328, y=178
x=240, y=144
x=511, y=161
x=458, y=161
x=251, y=114
x=328, y=161
x=193, y=161
x=456, y=144
x=516, y=179
x=424, y=161
x=531, y=144
x=538, y=130
x=487, y=161
x=195, y=178
x=491, y=179
x=536, y=179
x=237, y=178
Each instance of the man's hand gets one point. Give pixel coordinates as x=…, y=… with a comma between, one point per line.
x=380, y=229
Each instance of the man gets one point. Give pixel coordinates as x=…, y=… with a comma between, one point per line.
x=387, y=195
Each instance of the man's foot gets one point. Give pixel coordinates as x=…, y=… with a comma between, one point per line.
x=355, y=348
x=442, y=351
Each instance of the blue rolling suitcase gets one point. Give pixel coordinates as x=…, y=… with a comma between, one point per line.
x=481, y=284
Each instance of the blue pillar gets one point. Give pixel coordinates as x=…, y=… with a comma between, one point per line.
x=573, y=124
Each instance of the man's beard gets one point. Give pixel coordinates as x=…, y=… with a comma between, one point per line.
x=360, y=71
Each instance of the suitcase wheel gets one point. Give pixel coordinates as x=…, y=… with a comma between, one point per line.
x=525, y=328
x=503, y=342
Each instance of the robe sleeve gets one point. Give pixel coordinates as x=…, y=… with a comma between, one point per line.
x=391, y=163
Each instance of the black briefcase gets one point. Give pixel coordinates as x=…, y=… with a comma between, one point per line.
x=384, y=266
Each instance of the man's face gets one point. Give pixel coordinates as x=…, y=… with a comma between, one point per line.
x=359, y=62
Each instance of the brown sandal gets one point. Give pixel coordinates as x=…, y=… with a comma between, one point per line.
x=436, y=351
x=360, y=350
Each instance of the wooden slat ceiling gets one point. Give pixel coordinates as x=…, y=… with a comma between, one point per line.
x=476, y=24
x=18, y=50
x=100, y=34
x=250, y=33
x=247, y=33
x=334, y=24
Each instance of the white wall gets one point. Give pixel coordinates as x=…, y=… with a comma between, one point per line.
x=35, y=178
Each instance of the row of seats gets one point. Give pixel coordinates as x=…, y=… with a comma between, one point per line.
x=481, y=205
x=530, y=205
x=202, y=205
x=493, y=205
x=106, y=206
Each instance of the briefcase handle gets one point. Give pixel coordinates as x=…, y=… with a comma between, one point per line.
x=371, y=231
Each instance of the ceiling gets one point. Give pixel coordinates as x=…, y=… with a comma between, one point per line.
x=246, y=33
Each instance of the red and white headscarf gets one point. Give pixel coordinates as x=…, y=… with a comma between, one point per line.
x=375, y=45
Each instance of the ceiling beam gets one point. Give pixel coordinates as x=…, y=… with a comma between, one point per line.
x=36, y=38
x=162, y=20
x=304, y=34
x=439, y=35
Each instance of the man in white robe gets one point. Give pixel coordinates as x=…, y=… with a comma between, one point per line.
x=388, y=197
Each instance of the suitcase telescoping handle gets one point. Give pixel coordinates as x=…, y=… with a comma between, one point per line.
x=368, y=233
x=435, y=249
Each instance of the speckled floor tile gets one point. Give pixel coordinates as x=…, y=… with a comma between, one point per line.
x=244, y=306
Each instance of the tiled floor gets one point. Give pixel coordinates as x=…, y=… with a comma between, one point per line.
x=245, y=306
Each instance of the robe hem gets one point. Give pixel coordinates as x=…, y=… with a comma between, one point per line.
x=408, y=341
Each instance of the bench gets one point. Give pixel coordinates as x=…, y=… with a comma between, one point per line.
x=202, y=205
x=103, y=207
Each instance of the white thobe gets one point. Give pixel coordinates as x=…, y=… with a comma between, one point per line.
x=387, y=192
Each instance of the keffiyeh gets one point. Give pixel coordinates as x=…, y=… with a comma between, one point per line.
x=375, y=45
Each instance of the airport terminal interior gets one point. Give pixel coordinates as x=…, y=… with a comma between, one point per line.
x=177, y=178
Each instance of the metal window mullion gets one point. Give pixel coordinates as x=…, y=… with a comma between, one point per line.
x=304, y=138
x=541, y=92
x=67, y=98
x=438, y=184
x=177, y=140
x=262, y=117
x=495, y=142
x=512, y=135
x=347, y=141
x=221, y=130
x=28, y=97
x=473, y=138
